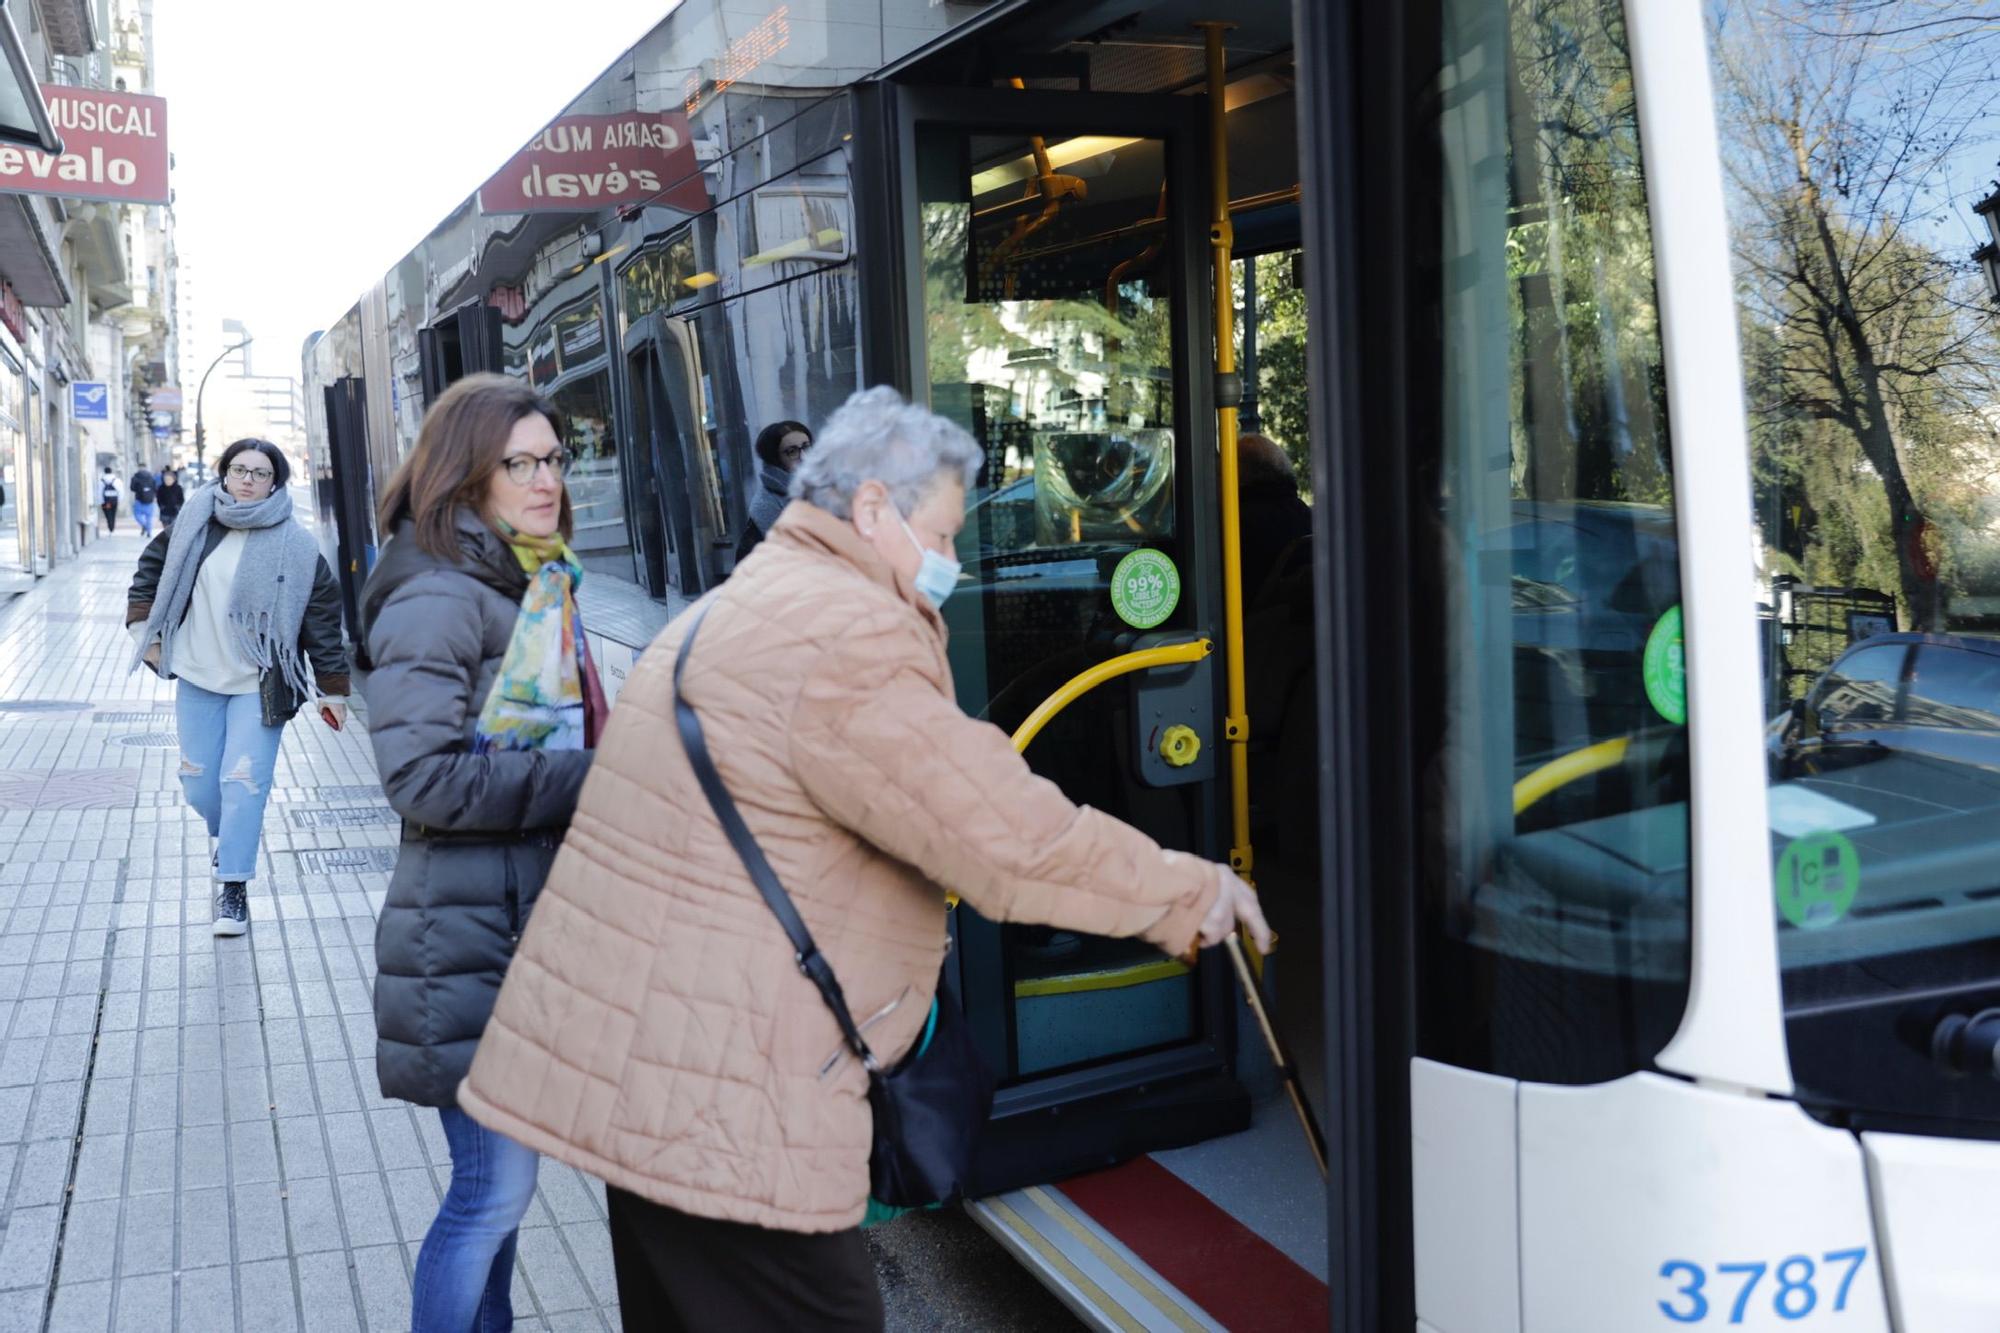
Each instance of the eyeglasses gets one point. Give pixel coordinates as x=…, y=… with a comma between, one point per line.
x=237, y=472
x=521, y=467
x=792, y=453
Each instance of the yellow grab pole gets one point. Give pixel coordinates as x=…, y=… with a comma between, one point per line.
x=1236, y=727
x=1222, y=239
x=1083, y=682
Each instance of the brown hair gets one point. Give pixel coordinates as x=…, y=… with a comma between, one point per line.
x=458, y=451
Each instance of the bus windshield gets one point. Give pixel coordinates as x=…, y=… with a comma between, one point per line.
x=1870, y=351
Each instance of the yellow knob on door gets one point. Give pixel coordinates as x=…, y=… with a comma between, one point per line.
x=1180, y=746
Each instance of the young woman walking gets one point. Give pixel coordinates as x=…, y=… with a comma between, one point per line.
x=484, y=707
x=232, y=602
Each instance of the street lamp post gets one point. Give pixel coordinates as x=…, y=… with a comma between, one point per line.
x=200, y=433
x=1988, y=254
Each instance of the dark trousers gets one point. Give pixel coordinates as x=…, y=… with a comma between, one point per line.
x=683, y=1274
x=110, y=508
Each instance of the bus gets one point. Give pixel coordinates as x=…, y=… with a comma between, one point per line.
x=1636, y=971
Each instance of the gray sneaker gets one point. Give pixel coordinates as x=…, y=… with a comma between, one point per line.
x=232, y=908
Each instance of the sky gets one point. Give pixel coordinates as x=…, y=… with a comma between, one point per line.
x=314, y=145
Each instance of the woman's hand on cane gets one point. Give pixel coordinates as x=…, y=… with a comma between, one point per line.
x=1235, y=904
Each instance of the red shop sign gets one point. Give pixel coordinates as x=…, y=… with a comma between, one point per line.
x=114, y=147
x=12, y=313
x=584, y=163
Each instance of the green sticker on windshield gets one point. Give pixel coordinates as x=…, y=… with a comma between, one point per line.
x=1818, y=877
x=1665, y=669
x=1145, y=588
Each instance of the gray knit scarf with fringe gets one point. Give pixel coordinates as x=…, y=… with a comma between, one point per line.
x=267, y=601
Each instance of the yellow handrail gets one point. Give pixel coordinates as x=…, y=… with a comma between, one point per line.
x=1173, y=654
x=1222, y=240
x=1558, y=773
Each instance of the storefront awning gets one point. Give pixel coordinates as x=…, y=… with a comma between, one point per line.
x=24, y=117
x=27, y=260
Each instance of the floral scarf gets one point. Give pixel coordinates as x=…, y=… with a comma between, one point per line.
x=546, y=695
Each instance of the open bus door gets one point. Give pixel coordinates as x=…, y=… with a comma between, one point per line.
x=459, y=344
x=353, y=500
x=1056, y=308
x=663, y=381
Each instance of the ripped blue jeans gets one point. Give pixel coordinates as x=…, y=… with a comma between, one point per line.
x=228, y=757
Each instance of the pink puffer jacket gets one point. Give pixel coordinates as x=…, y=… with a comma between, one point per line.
x=653, y=1029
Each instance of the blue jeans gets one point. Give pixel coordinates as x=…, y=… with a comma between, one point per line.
x=465, y=1270
x=143, y=514
x=227, y=758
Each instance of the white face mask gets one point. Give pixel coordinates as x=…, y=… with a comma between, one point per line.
x=937, y=576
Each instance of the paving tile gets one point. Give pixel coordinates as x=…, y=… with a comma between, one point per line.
x=148, y=1245
x=152, y=1162
x=260, y=1222
x=385, y=1286
x=327, y=1294
x=144, y=1302
x=204, y=1228
x=207, y=1299
x=314, y=1220
x=269, y=1303
x=253, y=1152
x=303, y=1154
x=100, y=1167
x=82, y=1307
x=21, y=1311
x=29, y=1248
x=90, y=1241
x=14, y=1113
x=396, y=1138
x=558, y=1284
x=414, y=1195
x=43, y=1174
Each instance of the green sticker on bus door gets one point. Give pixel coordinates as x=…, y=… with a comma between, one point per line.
x=1818, y=877
x=1145, y=588
x=1665, y=668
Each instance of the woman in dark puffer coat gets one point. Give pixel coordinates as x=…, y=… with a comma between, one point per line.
x=483, y=707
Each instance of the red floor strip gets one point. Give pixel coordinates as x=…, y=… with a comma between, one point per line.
x=1244, y=1282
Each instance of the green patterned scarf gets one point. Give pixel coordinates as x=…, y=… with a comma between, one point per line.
x=546, y=695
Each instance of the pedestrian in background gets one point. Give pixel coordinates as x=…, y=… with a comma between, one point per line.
x=237, y=605
x=484, y=706
x=145, y=490
x=657, y=1031
x=781, y=447
x=107, y=498
x=171, y=496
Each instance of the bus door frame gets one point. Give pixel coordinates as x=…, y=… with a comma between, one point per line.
x=893, y=348
x=471, y=334
x=1367, y=303
x=682, y=562
x=347, y=457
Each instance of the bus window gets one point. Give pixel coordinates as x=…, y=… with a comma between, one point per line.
x=1868, y=347
x=1048, y=269
x=1554, y=912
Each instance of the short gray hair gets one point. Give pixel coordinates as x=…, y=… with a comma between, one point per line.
x=876, y=436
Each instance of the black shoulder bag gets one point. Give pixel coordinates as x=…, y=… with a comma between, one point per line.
x=930, y=1109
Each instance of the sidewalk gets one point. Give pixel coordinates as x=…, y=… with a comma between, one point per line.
x=191, y=1136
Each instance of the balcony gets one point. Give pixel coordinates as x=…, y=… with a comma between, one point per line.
x=70, y=29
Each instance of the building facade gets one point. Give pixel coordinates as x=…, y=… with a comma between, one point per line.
x=89, y=365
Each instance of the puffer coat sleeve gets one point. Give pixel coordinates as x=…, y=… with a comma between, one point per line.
x=428, y=645
x=880, y=746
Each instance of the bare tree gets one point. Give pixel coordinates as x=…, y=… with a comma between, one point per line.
x=1841, y=121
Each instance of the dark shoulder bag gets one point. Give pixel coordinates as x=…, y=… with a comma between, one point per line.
x=930, y=1109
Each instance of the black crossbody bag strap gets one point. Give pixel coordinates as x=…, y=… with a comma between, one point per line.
x=810, y=960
